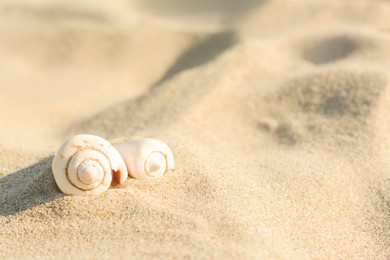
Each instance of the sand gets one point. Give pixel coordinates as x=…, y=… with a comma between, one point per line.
x=277, y=113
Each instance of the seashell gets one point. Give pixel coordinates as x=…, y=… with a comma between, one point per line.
x=85, y=165
x=146, y=158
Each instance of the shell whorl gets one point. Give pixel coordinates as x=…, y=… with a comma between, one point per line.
x=155, y=165
x=146, y=158
x=85, y=165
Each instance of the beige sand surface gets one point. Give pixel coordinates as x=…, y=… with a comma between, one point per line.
x=277, y=113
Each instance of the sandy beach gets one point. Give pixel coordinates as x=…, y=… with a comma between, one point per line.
x=277, y=113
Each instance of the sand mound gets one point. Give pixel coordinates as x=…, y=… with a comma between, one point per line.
x=327, y=105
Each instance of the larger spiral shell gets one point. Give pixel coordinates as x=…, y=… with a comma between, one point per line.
x=86, y=164
x=146, y=158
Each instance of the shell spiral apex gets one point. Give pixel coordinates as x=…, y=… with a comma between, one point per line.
x=85, y=165
x=146, y=158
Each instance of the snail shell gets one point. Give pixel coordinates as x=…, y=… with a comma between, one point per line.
x=85, y=165
x=146, y=158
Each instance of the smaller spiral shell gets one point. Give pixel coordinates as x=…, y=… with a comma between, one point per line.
x=146, y=158
x=85, y=165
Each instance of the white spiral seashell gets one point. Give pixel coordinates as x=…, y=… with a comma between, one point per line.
x=86, y=164
x=146, y=158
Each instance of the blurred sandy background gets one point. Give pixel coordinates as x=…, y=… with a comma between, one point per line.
x=277, y=112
